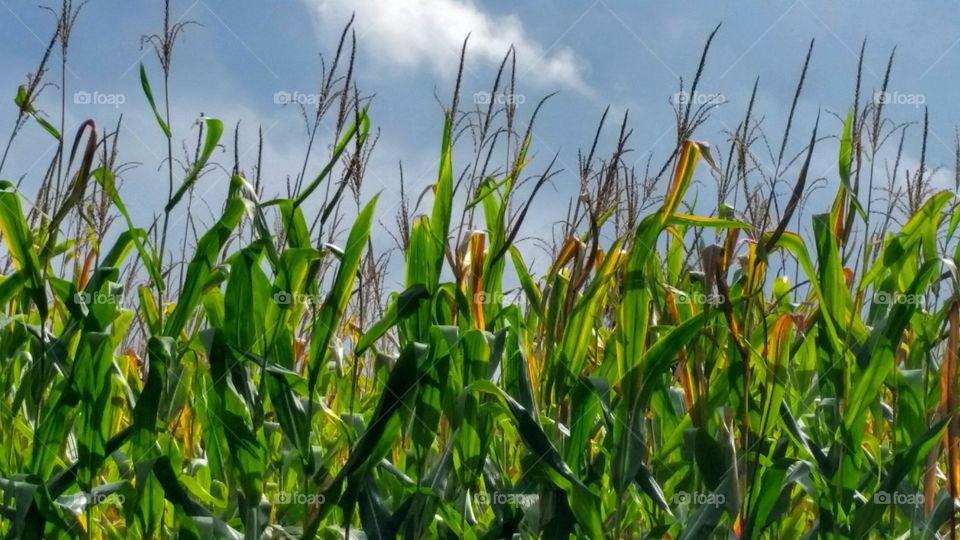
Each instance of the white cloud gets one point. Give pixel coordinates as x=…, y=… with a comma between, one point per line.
x=430, y=33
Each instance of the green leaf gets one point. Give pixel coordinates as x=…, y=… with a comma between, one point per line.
x=338, y=150
x=92, y=374
x=214, y=131
x=879, y=354
x=335, y=305
x=16, y=234
x=583, y=502
x=145, y=83
x=162, y=352
x=201, y=267
x=869, y=515
x=846, y=151
x=403, y=305
x=246, y=452
x=104, y=177
x=381, y=433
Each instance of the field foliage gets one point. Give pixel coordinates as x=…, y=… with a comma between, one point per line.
x=671, y=373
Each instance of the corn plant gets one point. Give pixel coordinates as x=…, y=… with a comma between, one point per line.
x=643, y=384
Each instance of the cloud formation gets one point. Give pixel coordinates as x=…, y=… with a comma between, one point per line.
x=429, y=33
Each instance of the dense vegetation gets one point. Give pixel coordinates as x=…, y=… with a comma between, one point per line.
x=254, y=379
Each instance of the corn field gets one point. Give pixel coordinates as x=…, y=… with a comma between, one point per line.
x=763, y=369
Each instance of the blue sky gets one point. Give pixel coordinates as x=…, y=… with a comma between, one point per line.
x=625, y=54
